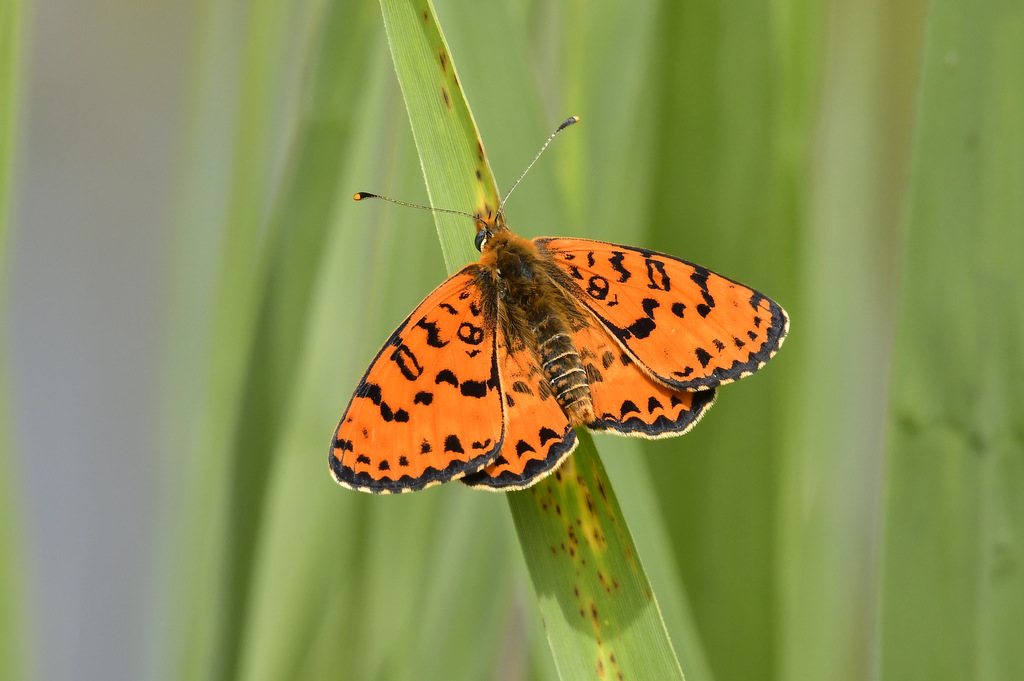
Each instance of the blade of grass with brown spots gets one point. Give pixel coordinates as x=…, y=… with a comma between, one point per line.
x=455, y=168
x=600, y=613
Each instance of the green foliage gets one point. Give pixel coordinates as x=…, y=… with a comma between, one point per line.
x=824, y=152
x=13, y=625
x=953, y=596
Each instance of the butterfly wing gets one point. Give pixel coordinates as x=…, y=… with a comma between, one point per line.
x=627, y=401
x=429, y=409
x=538, y=436
x=688, y=327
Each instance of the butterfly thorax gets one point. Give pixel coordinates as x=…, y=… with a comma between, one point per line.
x=536, y=313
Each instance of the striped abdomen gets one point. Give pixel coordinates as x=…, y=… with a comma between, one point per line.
x=563, y=367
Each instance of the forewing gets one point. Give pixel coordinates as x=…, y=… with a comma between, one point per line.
x=689, y=327
x=627, y=400
x=538, y=435
x=429, y=408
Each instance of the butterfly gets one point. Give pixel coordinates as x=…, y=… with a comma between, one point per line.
x=487, y=378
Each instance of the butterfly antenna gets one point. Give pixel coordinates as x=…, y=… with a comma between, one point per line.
x=565, y=124
x=359, y=196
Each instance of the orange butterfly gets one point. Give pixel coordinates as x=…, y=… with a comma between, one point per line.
x=487, y=378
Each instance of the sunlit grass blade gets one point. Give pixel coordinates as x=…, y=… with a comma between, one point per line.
x=441, y=122
x=274, y=227
x=14, y=629
x=953, y=591
x=455, y=167
x=292, y=247
x=601, y=617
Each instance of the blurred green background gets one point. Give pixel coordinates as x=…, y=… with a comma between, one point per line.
x=190, y=295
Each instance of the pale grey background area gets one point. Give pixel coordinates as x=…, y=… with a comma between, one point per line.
x=98, y=154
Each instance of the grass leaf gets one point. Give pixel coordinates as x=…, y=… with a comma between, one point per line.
x=953, y=595
x=14, y=636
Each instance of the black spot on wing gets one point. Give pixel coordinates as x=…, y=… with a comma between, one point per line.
x=641, y=328
x=446, y=376
x=616, y=262
x=433, y=333
x=628, y=407
x=452, y=444
x=546, y=434
x=522, y=447
x=474, y=388
x=370, y=391
x=423, y=397
x=703, y=356
x=700, y=277
x=521, y=388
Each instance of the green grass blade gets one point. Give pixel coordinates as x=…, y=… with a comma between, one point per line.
x=730, y=106
x=274, y=226
x=830, y=469
x=621, y=629
x=455, y=167
x=953, y=592
x=14, y=628
x=600, y=613
x=291, y=251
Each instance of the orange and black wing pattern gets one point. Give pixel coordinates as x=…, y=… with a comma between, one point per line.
x=629, y=401
x=537, y=436
x=688, y=327
x=430, y=407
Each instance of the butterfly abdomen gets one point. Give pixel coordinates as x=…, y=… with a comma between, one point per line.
x=561, y=363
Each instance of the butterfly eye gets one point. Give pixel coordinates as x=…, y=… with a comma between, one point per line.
x=481, y=238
